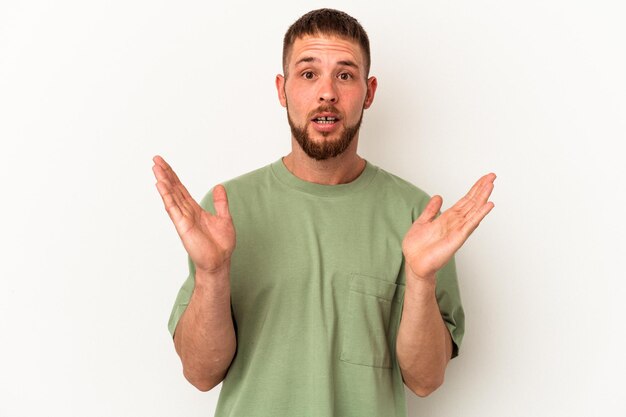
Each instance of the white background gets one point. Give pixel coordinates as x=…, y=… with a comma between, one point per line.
x=91, y=90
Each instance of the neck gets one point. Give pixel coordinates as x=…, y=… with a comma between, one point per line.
x=341, y=169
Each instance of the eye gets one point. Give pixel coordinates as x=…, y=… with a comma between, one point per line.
x=308, y=75
x=344, y=76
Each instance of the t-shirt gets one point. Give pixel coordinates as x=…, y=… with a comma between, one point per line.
x=317, y=286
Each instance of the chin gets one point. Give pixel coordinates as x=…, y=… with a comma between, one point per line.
x=325, y=136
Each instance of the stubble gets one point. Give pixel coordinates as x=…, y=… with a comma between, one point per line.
x=327, y=148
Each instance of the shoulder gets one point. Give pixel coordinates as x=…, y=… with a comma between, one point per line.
x=247, y=184
x=250, y=180
x=401, y=191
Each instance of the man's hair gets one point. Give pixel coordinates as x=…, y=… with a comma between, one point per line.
x=328, y=22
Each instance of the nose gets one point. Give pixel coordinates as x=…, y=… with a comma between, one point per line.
x=327, y=92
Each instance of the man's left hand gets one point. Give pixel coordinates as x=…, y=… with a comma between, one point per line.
x=432, y=240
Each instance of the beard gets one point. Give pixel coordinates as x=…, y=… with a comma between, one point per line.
x=327, y=148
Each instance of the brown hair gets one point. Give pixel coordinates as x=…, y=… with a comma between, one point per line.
x=327, y=22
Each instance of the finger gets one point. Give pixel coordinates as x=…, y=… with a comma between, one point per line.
x=158, y=171
x=172, y=192
x=185, y=203
x=158, y=160
x=431, y=209
x=476, y=217
x=487, y=178
x=176, y=181
x=165, y=173
x=484, y=193
x=478, y=195
x=171, y=205
x=475, y=187
x=220, y=201
x=168, y=194
x=161, y=166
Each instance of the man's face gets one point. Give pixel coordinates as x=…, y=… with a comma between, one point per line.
x=325, y=92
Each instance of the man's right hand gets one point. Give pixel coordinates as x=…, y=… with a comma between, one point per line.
x=208, y=239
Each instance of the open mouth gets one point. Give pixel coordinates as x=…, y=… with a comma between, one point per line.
x=325, y=120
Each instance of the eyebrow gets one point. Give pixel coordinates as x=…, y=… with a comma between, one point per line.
x=345, y=62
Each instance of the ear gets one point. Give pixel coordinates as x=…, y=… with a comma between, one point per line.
x=280, y=89
x=372, y=84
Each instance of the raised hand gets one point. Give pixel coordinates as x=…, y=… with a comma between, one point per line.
x=208, y=239
x=432, y=241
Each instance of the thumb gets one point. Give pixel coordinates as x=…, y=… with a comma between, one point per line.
x=220, y=201
x=431, y=209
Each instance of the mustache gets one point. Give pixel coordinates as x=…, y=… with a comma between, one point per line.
x=325, y=109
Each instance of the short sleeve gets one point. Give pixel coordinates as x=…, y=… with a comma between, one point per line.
x=184, y=294
x=449, y=300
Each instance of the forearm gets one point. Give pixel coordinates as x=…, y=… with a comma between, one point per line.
x=423, y=346
x=205, y=336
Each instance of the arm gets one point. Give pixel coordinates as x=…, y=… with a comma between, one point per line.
x=205, y=337
x=424, y=344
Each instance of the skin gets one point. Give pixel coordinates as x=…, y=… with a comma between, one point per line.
x=424, y=345
x=322, y=72
x=325, y=71
x=205, y=336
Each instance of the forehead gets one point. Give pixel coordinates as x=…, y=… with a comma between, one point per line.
x=326, y=47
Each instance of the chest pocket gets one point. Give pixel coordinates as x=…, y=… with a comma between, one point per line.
x=371, y=321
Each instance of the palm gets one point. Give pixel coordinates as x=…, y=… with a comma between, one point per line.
x=432, y=241
x=208, y=239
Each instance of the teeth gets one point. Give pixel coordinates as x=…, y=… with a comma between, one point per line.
x=325, y=120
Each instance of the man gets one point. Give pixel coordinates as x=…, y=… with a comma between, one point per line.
x=339, y=286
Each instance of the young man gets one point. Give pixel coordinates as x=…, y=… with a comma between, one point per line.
x=339, y=286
